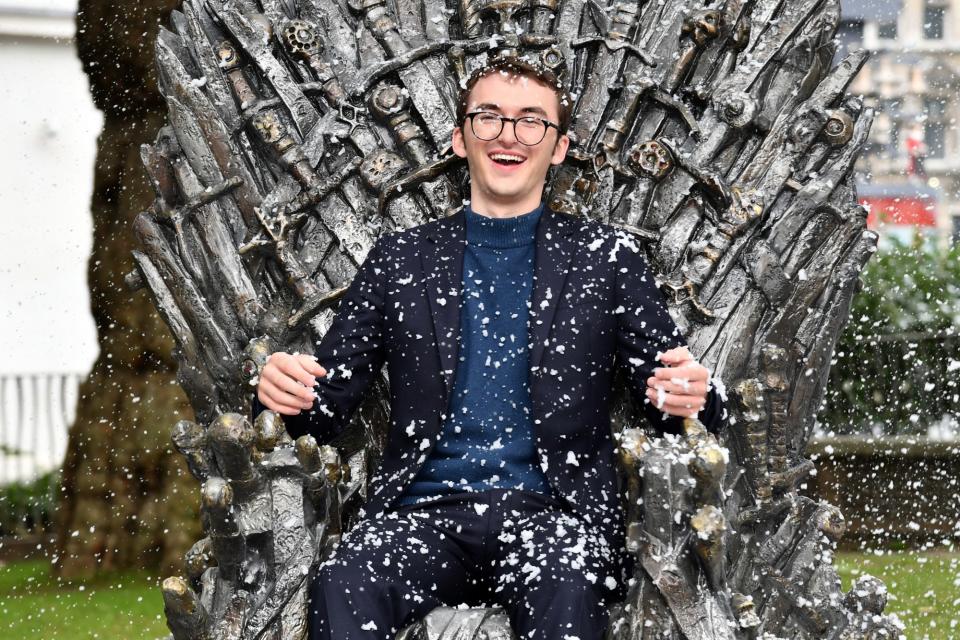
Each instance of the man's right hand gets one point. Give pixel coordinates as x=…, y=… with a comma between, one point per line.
x=287, y=382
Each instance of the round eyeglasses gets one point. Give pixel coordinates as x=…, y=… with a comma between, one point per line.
x=528, y=130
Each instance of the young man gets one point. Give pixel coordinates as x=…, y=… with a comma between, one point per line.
x=499, y=326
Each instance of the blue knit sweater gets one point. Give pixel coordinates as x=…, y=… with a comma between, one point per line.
x=487, y=440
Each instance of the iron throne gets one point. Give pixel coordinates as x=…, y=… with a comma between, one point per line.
x=717, y=135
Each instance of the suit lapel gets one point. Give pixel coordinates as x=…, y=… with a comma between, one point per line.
x=554, y=250
x=442, y=263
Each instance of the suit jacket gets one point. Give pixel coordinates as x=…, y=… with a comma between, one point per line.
x=594, y=305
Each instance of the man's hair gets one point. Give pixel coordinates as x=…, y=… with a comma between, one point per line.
x=514, y=66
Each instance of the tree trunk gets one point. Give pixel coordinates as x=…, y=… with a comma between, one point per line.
x=126, y=498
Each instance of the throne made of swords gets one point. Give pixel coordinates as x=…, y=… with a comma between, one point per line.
x=718, y=134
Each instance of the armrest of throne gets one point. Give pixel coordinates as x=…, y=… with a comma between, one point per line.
x=272, y=508
x=676, y=529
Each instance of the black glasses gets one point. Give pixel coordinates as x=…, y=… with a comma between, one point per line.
x=528, y=130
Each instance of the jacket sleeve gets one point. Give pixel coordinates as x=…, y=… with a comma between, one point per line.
x=352, y=352
x=645, y=329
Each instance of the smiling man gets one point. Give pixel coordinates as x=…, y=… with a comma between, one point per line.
x=501, y=327
x=509, y=157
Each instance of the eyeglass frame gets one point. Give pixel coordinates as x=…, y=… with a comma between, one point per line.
x=547, y=124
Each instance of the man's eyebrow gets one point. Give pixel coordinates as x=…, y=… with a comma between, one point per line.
x=536, y=110
x=490, y=106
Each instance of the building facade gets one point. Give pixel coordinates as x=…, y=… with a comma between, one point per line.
x=910, y=172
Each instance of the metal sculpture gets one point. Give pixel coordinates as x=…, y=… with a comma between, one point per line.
x=717, y=134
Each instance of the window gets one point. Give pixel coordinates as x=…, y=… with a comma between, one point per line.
x=935, y=107
x=848, y=38
x=934, y=134
x=891, y=108
x=887, y=30
x=935, y=126
x=934, y=17
x=894, y=144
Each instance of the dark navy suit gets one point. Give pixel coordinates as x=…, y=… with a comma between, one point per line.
x=594, y=305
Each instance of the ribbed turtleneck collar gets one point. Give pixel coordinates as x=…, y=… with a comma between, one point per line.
x=502, y=233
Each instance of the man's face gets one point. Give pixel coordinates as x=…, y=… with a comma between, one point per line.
x=500, y=180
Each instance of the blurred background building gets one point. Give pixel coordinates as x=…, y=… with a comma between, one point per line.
x=911, y=169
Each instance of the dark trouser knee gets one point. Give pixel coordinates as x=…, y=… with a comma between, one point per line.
x=346, y=605
x=347, y=602
x=569, y=606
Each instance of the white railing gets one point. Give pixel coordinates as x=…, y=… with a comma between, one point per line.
x=36, y=410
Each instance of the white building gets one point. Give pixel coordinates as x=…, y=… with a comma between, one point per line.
x=46, y=175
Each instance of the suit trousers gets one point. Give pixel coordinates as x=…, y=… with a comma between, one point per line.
x=551, y=572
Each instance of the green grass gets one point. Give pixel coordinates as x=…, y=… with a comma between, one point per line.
x=924, y=588
x=924, y=592
x=119, y=607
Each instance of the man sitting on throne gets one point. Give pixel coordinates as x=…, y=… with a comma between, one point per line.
x=501, y=327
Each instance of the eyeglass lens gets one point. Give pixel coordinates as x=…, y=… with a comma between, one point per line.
x=528, y=131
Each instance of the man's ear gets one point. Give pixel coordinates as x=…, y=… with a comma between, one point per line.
x=457, y=143
x=560, y=149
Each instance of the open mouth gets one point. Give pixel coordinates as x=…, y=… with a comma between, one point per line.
x=507, y=159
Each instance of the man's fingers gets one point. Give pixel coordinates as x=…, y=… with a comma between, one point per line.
x=280, y=400
x=675, y=356
x=287, y=381
x=283, y=365
x=676, y=404
x=293, y=366
x=283, y=409
x=311, y=366
x=276, y=379
x=692, y=372
x=280, y=396
x=679, y=386
x=682, y=402
x=676, y=399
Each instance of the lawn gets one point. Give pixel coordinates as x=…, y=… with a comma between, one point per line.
x=924, y=588
x=119, y=607
x=924, y=591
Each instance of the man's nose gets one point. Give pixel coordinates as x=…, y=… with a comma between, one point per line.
x=509, y=133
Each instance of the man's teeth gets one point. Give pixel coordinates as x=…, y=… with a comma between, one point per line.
x=506, y=158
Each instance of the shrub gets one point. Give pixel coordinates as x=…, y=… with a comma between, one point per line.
x=27, y=507
x=896, y=365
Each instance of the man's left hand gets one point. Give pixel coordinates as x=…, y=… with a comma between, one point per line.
x=680, y=387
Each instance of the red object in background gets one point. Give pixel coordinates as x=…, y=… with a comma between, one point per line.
x=916, y=153
x=903, y=210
